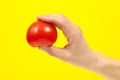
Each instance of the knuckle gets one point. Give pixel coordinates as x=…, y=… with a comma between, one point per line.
x=78, y=35
x=78, y=30
x=61, y=19
x=62, y=16
x=59, y=15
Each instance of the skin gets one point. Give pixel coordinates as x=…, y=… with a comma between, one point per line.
x=77, y=51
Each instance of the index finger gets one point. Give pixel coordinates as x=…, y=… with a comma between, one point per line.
x=68, y=28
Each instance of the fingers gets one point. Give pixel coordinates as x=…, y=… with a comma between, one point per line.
x=62, y=23
x=59, y=20
x=57, y=52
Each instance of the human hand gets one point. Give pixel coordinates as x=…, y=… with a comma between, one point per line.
x=77, y=51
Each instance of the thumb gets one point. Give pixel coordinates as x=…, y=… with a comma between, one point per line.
x=57, y=52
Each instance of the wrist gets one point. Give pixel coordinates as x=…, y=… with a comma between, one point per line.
x=97, y=61
x=92, y=61
x=108, y=67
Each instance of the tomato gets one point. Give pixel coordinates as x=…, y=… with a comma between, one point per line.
x=41, y=34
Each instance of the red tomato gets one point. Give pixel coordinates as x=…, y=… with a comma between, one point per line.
x=41, y=34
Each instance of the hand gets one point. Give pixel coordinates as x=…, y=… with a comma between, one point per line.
x=77, y=51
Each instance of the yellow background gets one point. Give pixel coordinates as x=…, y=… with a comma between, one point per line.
x=99, y=20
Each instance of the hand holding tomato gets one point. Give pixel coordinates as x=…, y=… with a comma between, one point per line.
x=41, y=34
x=77, y=51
